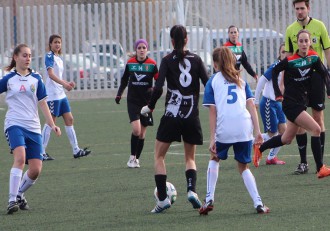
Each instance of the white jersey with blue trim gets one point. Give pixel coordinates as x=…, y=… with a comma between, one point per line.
x=23, y=95
x=234, y=123
x=55, y=91
x=268, y=91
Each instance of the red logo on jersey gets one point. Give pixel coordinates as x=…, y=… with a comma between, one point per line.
x=22, y=89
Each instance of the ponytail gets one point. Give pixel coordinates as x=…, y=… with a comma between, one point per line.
x=178, y=34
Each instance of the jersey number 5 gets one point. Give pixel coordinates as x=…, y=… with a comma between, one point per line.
x=232, y=95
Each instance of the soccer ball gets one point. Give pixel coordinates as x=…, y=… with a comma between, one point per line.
x=171, y=192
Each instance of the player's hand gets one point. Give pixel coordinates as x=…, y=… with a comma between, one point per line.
x=117, y=99
x=72, y=84
x=67, y=86
x=145, y=110
x=258, y=140
x=256, y=77
x=57, y=130
x=279, y=98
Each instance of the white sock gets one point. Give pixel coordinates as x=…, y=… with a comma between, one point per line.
x=14, y=180
x=251, y=186
x=273, y=153
x=46, y=131
x=72, y=138
x=26, y=183
x=212, y=177
x=265, y=136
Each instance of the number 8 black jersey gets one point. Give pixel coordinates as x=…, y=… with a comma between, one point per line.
x=183, y=84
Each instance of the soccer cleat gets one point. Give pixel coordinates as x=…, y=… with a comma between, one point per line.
x=302, y=168
x=131, y=163
x=324, y=172
x=161, y=206
x=82, y=153
x=193, y=199
x=46, y=156
x=257, y=155
x=206, y=208
x=275, y=161
x=137, y=163
x=12, y=207
x=261, y=209
x=22, y=203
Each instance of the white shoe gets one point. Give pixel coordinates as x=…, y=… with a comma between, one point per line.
x=161, y=206
x=131, y=162
x=137, y=163
x=193, y=199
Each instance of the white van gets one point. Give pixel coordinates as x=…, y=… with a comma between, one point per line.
x=260, y=45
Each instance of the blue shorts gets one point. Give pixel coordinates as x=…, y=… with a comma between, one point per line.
x=59, y=107
x=271, y=114
x=18, y=136
x=242, y=151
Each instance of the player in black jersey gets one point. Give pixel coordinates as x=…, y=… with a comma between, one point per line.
x=139, y=74
x=183, y=71
x=298, y=76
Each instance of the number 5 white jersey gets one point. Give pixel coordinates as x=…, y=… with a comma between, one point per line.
x=234, y=122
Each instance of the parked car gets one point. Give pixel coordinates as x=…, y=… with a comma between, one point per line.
x=108, y=46
x=79, y=67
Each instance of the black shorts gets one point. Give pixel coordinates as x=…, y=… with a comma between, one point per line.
x=292, y=110
x=134, y=114
x=316, y=95
x=173, y=128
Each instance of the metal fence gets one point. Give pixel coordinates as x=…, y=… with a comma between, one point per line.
x=97, y=38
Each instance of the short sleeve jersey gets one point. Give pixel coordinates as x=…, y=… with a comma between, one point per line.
x=23, y=95
x=234, y=123
x=183, y=84
x=55, y=91
x=139, y=77
x=319, y=36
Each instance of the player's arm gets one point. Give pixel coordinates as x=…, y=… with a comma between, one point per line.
x=247, y=66
x=213, y=124
x=319, y=67
x=254, y=117
x=275, y=73
x=64, y=83
x=261, y=84
x=123, y=84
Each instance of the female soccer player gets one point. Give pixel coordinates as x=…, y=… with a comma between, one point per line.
x=24, y=91
x=57, y=101
x=236, y=47
x=271, y=111
x=183, y=71
x=229, y=98
x=139, y=74
x=297, y=82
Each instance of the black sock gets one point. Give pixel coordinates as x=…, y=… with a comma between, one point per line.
x=316, y=149
x=139, y=148
x=191, y=176
x=322, y=137
x=273, y=142
x=134, y=143
x=302, y=147
x=161, y=186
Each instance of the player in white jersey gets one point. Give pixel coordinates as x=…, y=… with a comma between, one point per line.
x=233, y=120
x=271, y=111
x=57, y=101
x=24, y=91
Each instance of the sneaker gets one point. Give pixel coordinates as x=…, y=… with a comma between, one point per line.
x=137, y=163
x=82, y=153
x=22, y=203
x=193, y=199
x=131, y=163
x=324, y=172
x=206, y=208
x=302, y=168
x=275, y=161
x=46, y=156
x=161, y=206
x=12, y=207
x=261, y=209
x=257, y=155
